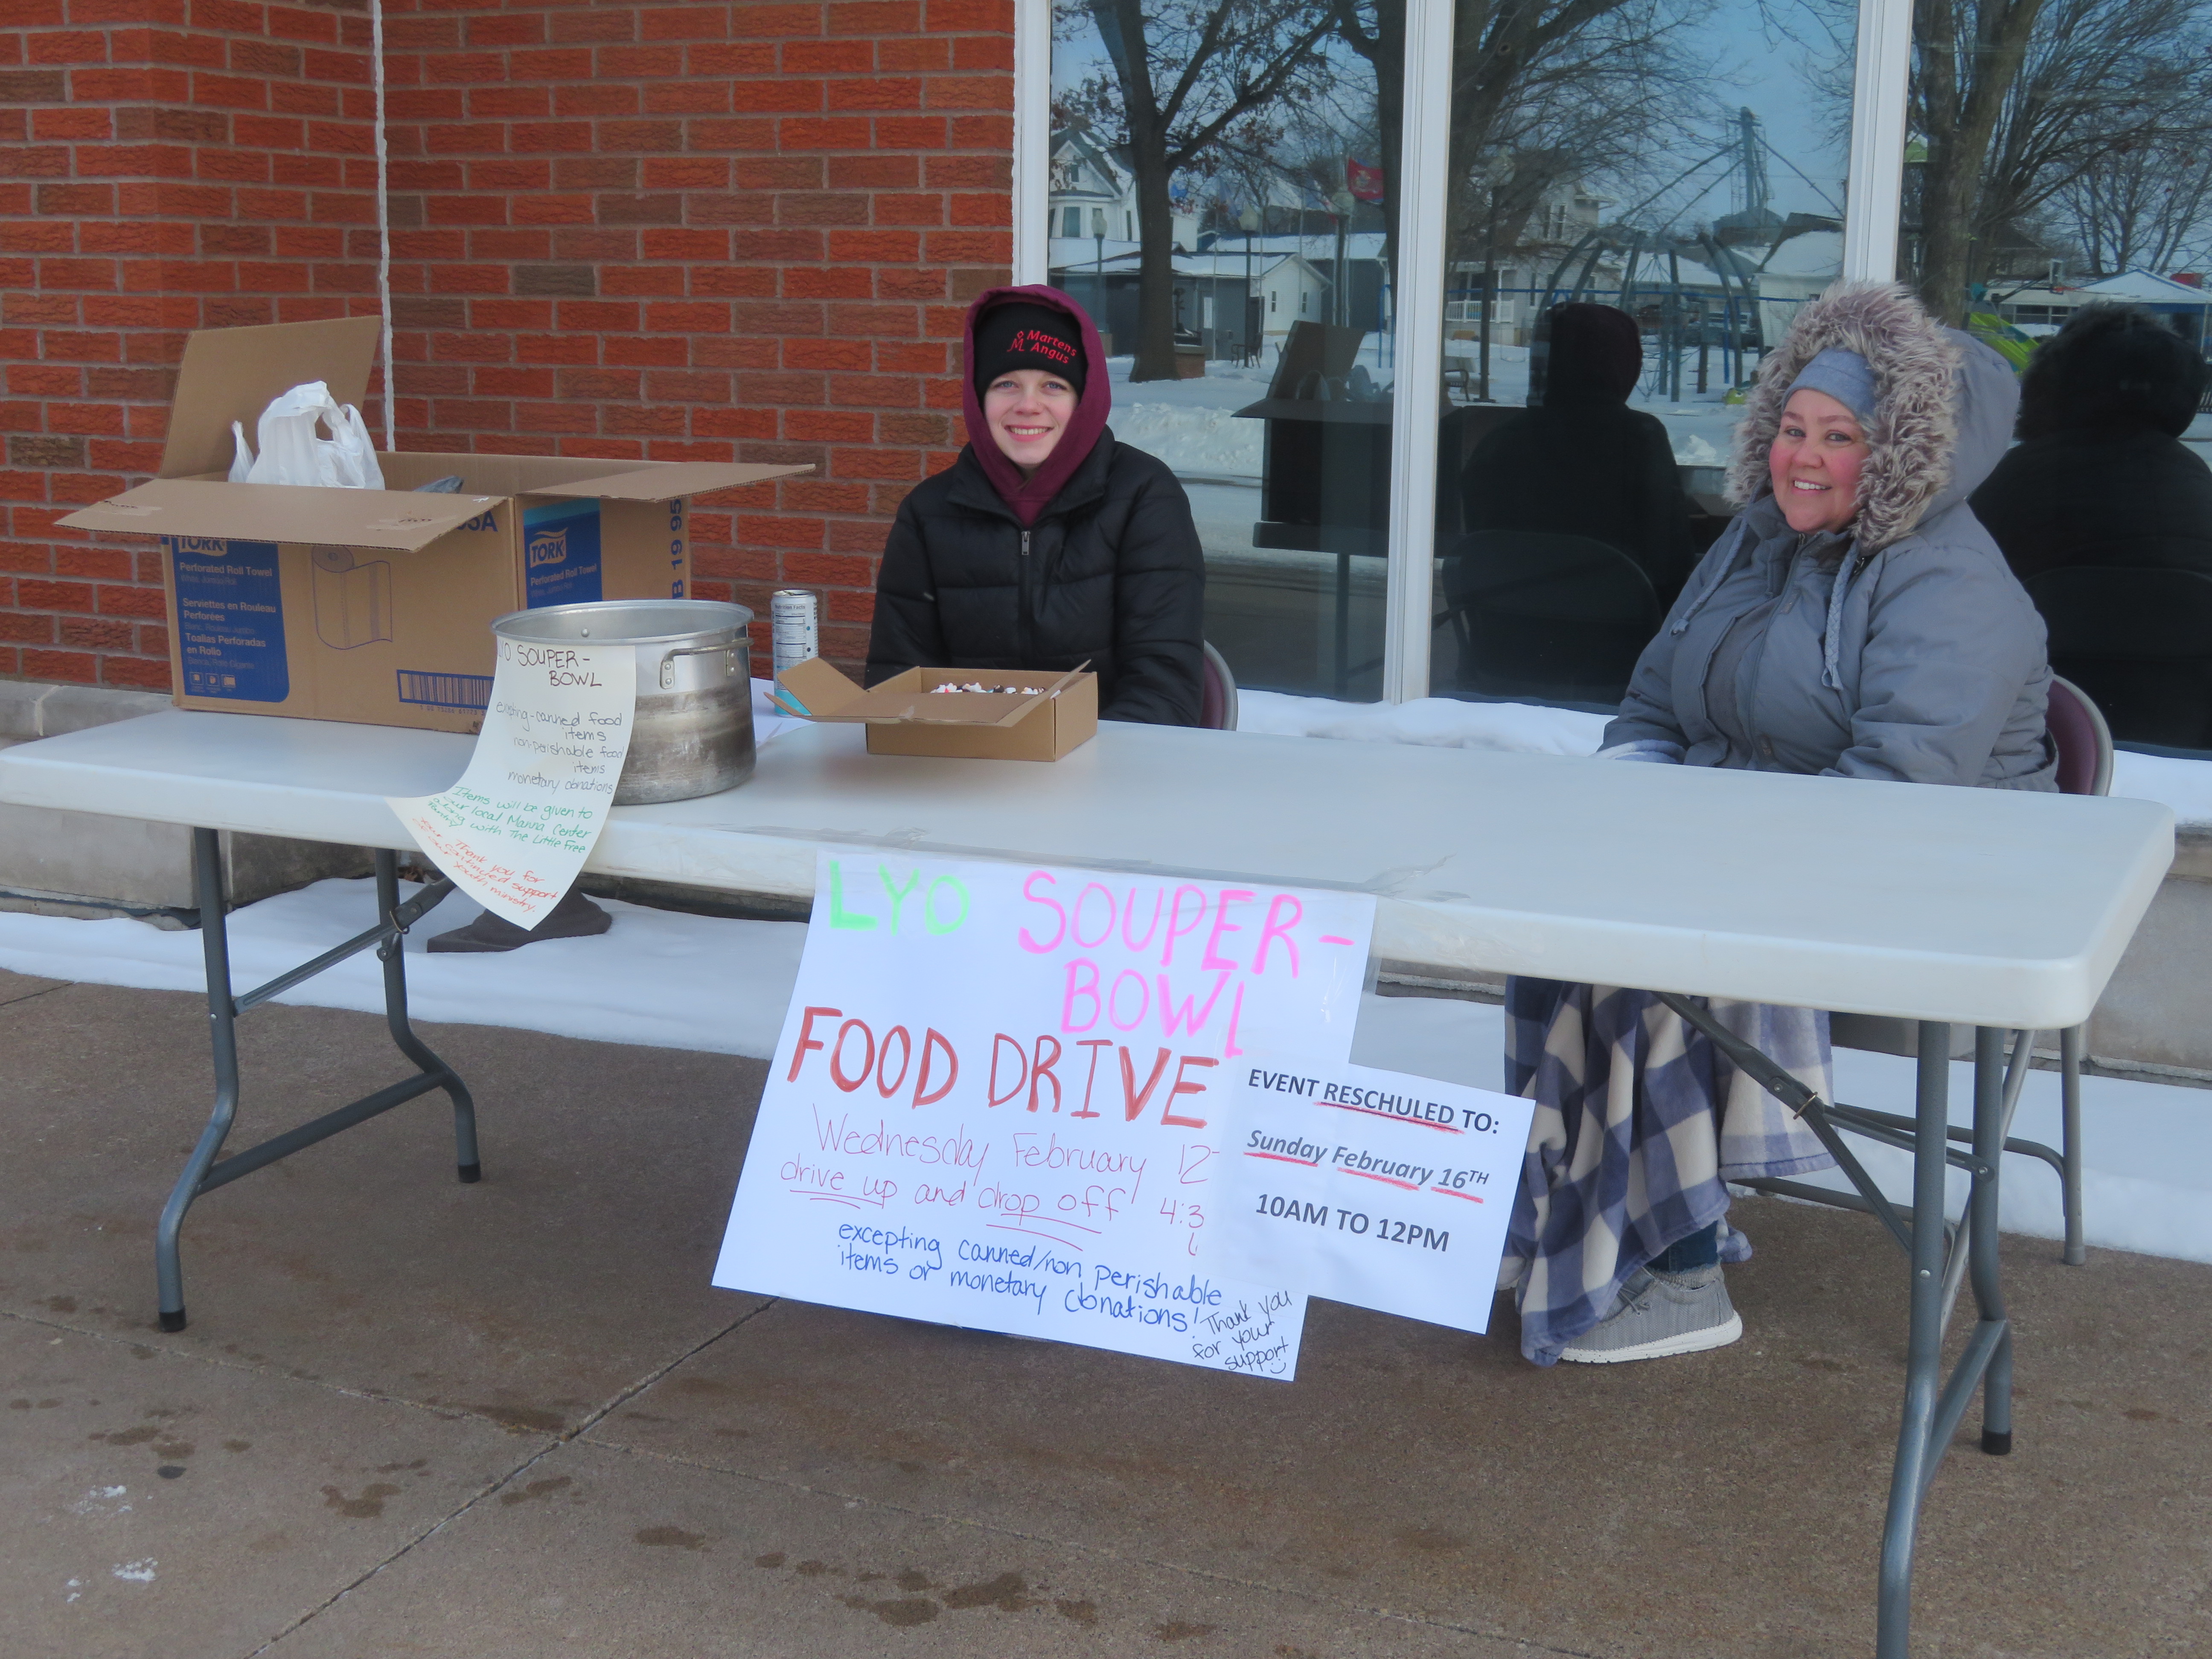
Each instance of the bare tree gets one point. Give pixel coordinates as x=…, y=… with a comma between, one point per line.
x=1566, y=92
x=2017, y=100
x=2148, y=207
x=1186, y=72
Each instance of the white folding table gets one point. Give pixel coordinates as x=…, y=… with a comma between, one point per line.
x=1983, y=907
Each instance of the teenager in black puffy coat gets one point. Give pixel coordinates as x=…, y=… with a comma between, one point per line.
x=1047, y=544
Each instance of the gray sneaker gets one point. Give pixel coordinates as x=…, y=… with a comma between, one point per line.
x=1661, y=1314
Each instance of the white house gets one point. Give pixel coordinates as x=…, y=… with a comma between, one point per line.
x=1291, y=290
x=1087, y=182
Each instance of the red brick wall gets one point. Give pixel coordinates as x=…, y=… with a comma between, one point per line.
x=690, y=231
x=165, y=165
x=676, y=231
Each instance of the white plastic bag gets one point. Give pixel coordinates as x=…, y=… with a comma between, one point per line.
x=241, y=459
x=293, y=451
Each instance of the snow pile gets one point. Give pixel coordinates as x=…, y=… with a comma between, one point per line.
x=2184, y=784
x=1203, y=440
x=1691, y=450
x=1441, y=722
x=666, y=980
x=657, y=977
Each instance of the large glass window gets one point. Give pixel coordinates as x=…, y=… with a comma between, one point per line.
x=1640, y=195
x=2058, y=176
x=1222, y=195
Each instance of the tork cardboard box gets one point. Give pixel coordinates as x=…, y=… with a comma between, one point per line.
x=905, y=715
x=376, y=605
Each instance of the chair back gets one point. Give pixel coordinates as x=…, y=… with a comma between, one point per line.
x=2138, y=641
x=1555, y=618
x=2083, y=740
x=1217, y=691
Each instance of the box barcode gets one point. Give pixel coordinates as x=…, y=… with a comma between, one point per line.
x=445, y=690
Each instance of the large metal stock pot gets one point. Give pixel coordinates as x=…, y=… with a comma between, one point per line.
x=693, y=733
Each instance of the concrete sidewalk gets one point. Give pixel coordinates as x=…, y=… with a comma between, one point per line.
x=514, y=1418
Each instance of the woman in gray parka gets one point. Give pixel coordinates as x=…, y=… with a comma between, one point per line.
x=1855, y=620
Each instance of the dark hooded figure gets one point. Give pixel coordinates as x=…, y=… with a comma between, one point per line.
x=1579, y=461
x=1047, y=544
x=2100, y=475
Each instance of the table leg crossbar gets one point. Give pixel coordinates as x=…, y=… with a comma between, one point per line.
x=206, y=1170
x=1931, y=1419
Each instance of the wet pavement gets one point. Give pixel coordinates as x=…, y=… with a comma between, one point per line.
x=410, y=1416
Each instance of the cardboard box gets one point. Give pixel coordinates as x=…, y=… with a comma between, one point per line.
x=904, y=716
x=376, y=605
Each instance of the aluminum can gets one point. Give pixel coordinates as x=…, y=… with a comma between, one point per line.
x=793, y=620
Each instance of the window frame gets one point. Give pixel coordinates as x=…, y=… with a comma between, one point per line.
x=1875, y=192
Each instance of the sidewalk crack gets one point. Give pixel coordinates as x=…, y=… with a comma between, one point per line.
x=552, y=1444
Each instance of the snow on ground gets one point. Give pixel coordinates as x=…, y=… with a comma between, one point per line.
x=1440, y=722
x=667, y=979
x=658, y=977
x=1205, y=442
x=1192, y=424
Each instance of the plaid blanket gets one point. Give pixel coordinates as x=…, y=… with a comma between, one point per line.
x=1640, y=1123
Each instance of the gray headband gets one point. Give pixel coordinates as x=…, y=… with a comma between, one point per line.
x=1843, y=375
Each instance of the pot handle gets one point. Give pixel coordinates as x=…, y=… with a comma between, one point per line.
x=668, y=662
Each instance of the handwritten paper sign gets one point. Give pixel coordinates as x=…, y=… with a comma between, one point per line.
x=996, y=1099
x=514, y=832
x=1382, y=1190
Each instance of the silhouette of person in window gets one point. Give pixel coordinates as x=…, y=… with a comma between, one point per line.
x=2100, y=475
x=1578, y=461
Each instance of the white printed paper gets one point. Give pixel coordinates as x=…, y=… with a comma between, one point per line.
x=996, y=1101
x=1371, y=1187
x=514, y=832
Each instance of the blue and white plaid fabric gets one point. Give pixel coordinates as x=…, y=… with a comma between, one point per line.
x=1640, y=1123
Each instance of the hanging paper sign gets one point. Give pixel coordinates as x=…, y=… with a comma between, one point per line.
x=996, y=1099
x=514, y=832
x=1382, y=1190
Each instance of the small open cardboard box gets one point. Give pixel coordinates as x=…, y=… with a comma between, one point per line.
x=905, y=716
x=376, y=605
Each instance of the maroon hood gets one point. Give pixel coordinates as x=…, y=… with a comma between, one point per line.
x=1029, y=497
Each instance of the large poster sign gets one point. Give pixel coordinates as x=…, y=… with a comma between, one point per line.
x=1372, y=1187
x=514, y=831
x=997, y=1099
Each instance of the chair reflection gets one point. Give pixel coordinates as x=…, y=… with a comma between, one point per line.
x=1546, y=618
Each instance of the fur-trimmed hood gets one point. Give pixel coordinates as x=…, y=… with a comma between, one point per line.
x=1943, y=413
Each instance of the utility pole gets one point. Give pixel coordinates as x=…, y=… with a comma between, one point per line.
x=1343, y=202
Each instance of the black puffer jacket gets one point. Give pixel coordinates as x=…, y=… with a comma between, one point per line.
x=1111, y=574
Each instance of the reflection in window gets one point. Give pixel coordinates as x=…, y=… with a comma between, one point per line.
x=1640, y=196
x=1247, y=152
x=2071, y=229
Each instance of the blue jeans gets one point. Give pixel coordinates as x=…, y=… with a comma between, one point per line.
x=1700, y=1249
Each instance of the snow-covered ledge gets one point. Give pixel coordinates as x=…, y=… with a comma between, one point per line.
x=2156, y=1014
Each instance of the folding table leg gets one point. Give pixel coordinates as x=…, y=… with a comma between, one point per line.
x=223, y=1022
x=2069, y=1096
x=394, y=958
x=1983, y=1264
x=202, y=1173
x=1923, y=1346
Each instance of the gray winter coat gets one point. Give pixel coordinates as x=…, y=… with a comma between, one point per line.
x=1904, y=649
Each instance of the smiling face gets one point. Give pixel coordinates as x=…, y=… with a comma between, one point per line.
x=1027, y=410
x=1815, y=462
